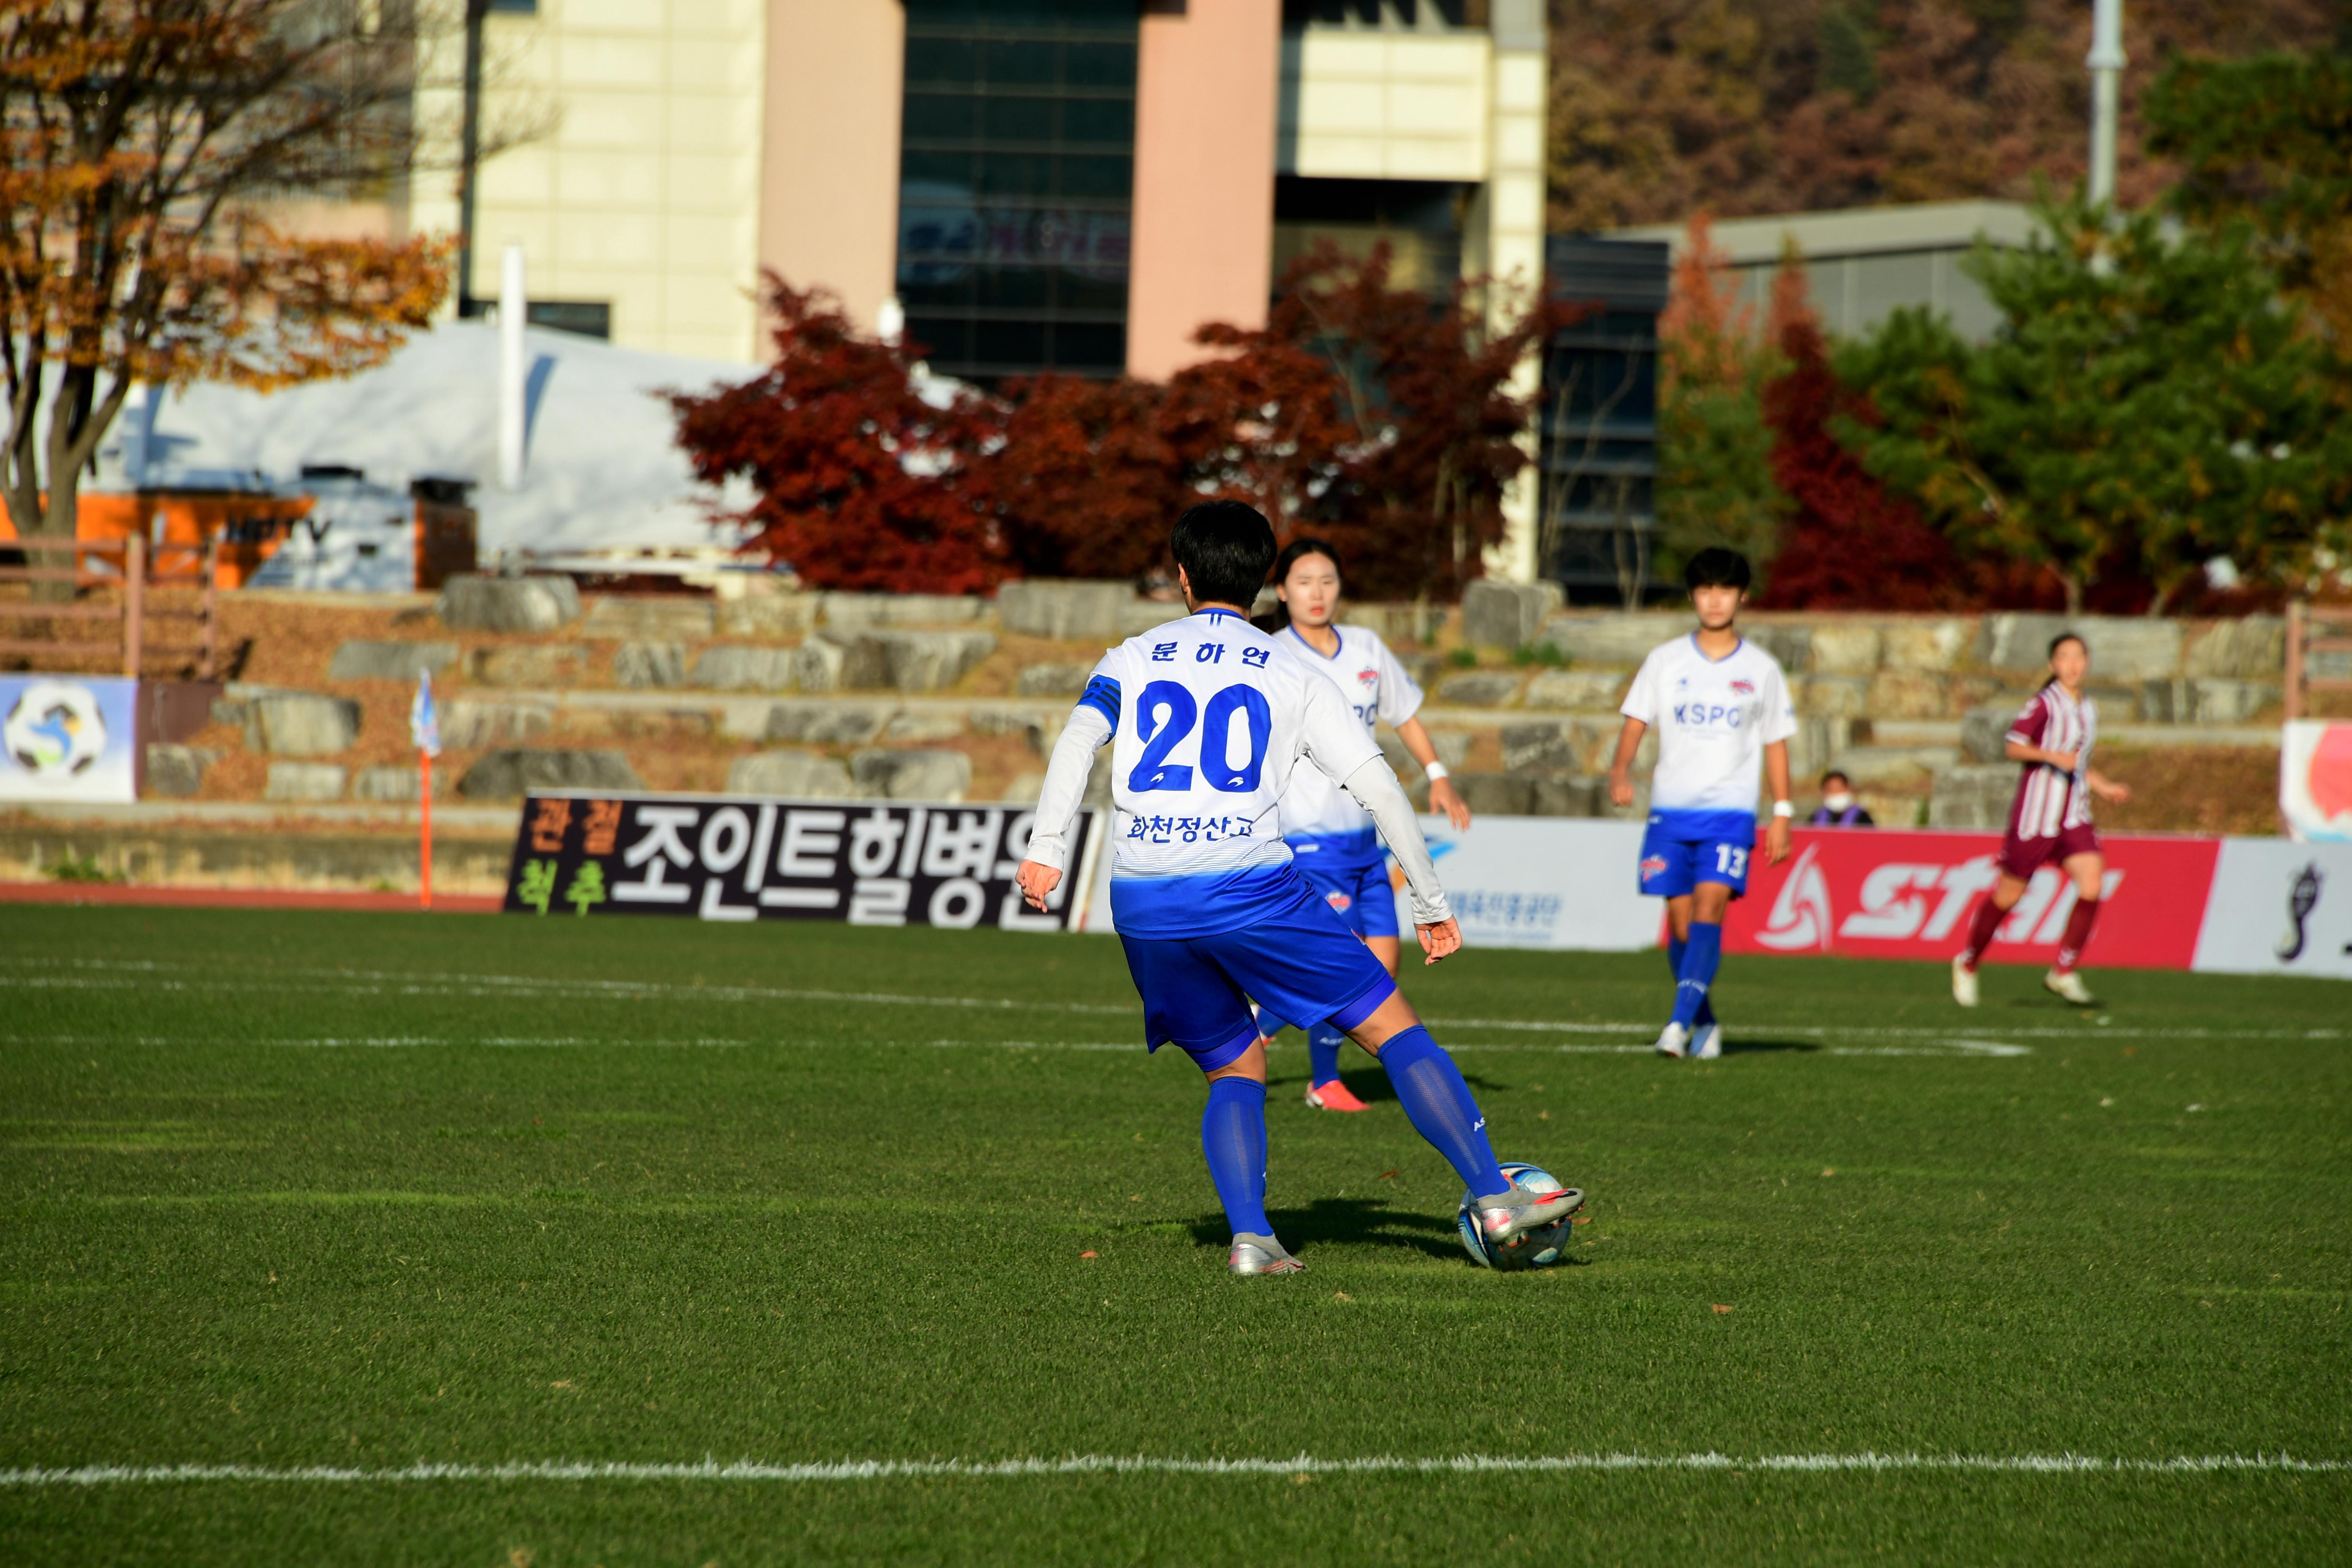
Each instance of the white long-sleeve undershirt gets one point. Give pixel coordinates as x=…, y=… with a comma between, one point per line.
x=1372, y=786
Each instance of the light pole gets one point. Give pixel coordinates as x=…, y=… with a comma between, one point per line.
x=2107, y=65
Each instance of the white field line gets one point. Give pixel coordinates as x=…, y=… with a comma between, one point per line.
x=1945, y=1047
x=1119, y=1465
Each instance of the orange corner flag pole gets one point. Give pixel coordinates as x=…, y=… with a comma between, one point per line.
x=424, y=794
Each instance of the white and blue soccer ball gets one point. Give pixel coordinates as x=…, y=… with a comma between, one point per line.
x=1537, y=1249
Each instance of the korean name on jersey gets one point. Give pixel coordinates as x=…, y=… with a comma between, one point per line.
x=1713, y=719
x=1210, y=719
x=1376, y=688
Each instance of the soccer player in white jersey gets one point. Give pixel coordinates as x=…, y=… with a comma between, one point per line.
x=1209, y=717
x=1716, y=701
x=2049, y=820
x=1331, y=838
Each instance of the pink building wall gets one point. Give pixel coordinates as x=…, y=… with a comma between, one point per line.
x=829, y=173
x=1204, y=120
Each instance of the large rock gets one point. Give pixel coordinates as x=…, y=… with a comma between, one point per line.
x=292, y=782
x=535, y=665
x=1506, y=615
x=1550, y=744
x=473, y=603
x=649, y=617
x=912, y=775
x=2210, y=700
x=1845, y=648
x=1790, y=645
x=803, y=775
x=1898, y=695
x=2252, y=649
x=924, y=724
x=468, y=724
x=1925, y=645
x=1577, y=690
x=1894, y=766
x=870, y=612
x=395, y=785
x=890, y=661
x=820, y=663
x=1975, y=797
x=1983, y=732
x=299, y=723
x=1453, y=750
x=1039, y=730
x=2123, y=647
x=505, y=775
x=1478, y=689
x=767, y=615
x=1497, y=795
x=644, y=666
x=1831, y=696
x=1069, y=609
x=827, y=724
x=733, y=667
x=1052, y=680
x=1569, y=795
x=361, y=659
x=1615, y=639
x=176, y=772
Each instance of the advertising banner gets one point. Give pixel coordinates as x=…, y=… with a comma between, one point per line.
x=733, y=858
x=2316, y=780
x=1872, y=894
x=2278, y=908
x=69, y=737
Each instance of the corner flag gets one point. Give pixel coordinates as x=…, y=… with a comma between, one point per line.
x=424, y=720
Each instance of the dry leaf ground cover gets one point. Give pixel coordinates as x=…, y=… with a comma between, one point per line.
x=369, y=1192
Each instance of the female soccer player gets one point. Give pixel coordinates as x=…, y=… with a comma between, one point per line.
x=1332, y=838
x=2050, y=820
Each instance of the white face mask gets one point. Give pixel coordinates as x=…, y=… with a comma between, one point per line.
x=1838, y=802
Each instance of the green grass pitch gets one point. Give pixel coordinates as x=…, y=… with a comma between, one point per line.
x=368, y=1192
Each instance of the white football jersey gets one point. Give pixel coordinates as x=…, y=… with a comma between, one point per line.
x=1376, y=688
x=1712, y=717
x=1210, y=721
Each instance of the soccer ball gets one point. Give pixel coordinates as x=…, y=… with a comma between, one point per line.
x=1536, y=1248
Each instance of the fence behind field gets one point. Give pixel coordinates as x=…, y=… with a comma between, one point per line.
x=144, y=575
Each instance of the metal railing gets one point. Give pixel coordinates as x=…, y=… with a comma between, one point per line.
x=2308, y=631
x=132, y=609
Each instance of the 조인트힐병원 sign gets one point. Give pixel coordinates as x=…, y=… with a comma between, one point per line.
x=725, y=858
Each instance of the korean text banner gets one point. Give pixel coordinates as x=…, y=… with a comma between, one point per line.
x=723, y=858
x=68, y=737
x=1869, y=894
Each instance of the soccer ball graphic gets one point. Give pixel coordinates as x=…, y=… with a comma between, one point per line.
x=53, y=730
x=1533, y=1250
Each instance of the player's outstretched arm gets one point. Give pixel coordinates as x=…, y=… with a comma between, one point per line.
x=1057, y=803
x=1376, y=789
x=1776, y=775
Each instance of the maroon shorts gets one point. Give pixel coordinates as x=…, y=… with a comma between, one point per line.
x=2021, y=858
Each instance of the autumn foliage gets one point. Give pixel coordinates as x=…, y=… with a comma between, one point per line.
x=1376, y=415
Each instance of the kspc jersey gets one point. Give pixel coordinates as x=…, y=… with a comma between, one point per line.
x=1318, y=815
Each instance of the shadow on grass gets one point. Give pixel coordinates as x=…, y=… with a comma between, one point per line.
x=1741, y=1047
x=1345, y=1222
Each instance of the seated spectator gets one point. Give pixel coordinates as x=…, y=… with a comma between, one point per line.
x=1839, y=808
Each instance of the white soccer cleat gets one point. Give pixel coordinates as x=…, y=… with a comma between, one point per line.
x=2066, y=984
x=1260, y=1255
x=1707, y=1043
x=1673, y=1040
x=1964, y=981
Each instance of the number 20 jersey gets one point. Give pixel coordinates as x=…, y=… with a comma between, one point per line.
x=1209, y=717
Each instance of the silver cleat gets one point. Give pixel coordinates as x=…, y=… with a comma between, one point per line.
x=1673, y=1040
x=2065, y=982
x=1707, y=1043
x=1261, y=1255
x=1518, y=1211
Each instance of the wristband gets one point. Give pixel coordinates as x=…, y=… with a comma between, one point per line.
x=1435, y=771
x=1782, y=808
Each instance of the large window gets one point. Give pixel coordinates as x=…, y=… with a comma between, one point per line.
x=1016, y=184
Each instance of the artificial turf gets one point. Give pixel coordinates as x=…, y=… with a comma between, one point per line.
x=369, y=1191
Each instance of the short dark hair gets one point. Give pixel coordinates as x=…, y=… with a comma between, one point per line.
x=2063, y=638
x=1225, y=548
x=1715, y=567
x=1834, y=773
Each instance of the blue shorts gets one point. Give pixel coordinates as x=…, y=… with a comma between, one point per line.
x=1298, y=959
x=1683, y=849
x=1353, y=879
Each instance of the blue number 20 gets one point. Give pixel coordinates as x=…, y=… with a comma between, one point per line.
x=1154, y=771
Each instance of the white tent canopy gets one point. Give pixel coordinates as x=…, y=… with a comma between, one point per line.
x=604, y=470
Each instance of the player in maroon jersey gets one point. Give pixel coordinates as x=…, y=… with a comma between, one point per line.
x=2050, y=820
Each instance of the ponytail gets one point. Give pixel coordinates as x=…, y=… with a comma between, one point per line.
x=2061, y=640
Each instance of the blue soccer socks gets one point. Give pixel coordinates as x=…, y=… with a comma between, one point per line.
x=1323, y=1043
x=1431, y=1089
x=1695, y=973
x=1233, y=1135
x=1675, y=950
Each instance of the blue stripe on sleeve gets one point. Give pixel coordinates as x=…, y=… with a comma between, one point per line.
x=1102, y=696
